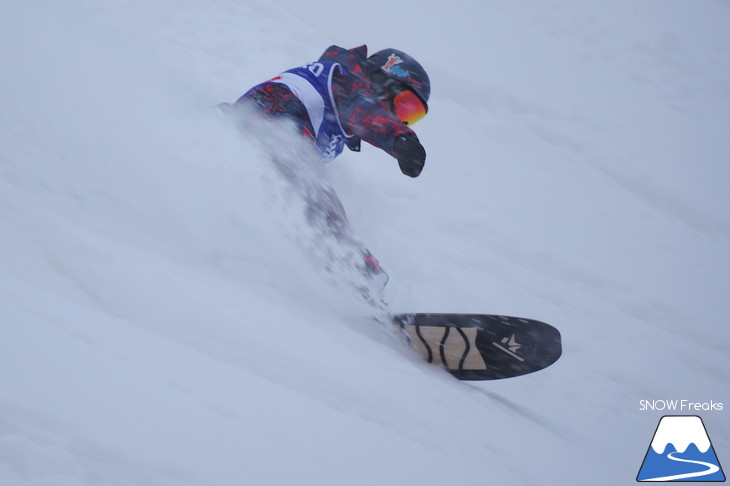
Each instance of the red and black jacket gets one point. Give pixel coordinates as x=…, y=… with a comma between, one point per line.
x=361, y=113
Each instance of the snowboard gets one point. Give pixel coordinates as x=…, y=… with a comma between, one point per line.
x=482, y=346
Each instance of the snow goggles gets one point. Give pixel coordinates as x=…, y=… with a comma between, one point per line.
x=408, y=107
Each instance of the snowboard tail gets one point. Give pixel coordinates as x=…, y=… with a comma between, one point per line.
x=482, y=346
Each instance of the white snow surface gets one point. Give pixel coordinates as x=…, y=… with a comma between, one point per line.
x=162, y=324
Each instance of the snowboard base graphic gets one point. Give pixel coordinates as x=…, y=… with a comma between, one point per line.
x=482, y=346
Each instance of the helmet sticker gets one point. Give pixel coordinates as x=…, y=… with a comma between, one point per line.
x=391, y=66
x=392, y=61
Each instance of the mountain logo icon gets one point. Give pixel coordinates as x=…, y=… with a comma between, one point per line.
x=680, y=451
x=510, y=346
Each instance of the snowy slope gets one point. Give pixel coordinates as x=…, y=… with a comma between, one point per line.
x=161, y=324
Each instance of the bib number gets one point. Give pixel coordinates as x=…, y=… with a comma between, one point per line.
x=315, y=68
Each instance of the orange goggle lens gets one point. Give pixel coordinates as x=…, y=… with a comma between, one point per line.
x=408, y=107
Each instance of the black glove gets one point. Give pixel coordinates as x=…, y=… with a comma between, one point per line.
x=410, y=154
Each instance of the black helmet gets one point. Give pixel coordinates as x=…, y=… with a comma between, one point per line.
x=398, y=66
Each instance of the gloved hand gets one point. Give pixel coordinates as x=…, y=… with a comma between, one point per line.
x=410, y=154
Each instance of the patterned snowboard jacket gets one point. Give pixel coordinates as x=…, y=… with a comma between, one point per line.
x=360, y=114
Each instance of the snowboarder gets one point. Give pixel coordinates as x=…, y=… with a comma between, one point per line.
x=341, y=99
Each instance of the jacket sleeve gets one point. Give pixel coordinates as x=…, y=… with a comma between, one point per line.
x=361, y=113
